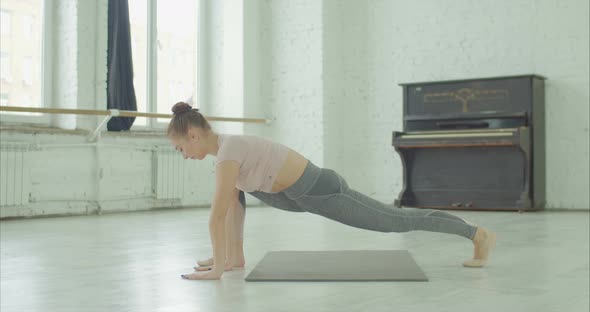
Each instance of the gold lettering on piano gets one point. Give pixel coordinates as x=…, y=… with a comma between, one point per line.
x=465, y=95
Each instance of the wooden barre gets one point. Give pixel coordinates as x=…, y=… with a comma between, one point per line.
x=117, y=113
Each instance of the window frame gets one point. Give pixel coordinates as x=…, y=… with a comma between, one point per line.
x=6, y=30
x=5, y=59
x=46, y=96
x=152, y=64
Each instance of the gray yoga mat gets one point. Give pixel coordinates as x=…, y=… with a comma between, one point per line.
x=337, y=265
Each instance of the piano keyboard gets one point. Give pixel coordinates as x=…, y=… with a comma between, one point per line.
x=459, y=134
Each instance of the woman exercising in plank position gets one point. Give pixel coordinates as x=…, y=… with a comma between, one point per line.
x=284, y=179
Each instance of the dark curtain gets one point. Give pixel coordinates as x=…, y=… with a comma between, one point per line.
x=120, y=90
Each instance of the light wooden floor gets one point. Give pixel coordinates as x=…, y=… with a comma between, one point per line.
x=133, y=262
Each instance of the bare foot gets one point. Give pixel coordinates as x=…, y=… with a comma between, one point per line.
x=239, y=262
x=207, y=265
x=236, y=258
x=239, y=266
x=228, y=267
x=483, y=242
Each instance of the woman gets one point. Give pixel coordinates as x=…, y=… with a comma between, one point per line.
x=282, y=178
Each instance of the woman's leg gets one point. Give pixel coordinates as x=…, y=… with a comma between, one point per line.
x=277, y=200
x=326, y=193
x=331, y=197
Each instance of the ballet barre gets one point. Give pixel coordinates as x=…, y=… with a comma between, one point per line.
x=119, y=113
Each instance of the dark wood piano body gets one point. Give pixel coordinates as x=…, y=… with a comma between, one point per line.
x=473, y=144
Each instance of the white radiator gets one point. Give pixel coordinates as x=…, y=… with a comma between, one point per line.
x=168, y=174
x=14, y=174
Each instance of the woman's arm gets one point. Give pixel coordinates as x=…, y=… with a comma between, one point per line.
x=234, y=228
x=234, y=237
x=226, y=176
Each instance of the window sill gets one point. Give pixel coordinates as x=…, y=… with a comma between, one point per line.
x=147, y=133
x=35, y=129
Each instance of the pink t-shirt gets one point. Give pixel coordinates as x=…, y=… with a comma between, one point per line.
x=260, y=160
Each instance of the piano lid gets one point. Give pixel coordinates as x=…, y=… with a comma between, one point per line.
x=471, y=79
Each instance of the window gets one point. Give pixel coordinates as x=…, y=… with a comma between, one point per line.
x=5, y=69
x=4, y=99
x=138, y=10
x=5, y=21
x=22, y=57
x=28, y=24
x=27, y=74
x=164, y=43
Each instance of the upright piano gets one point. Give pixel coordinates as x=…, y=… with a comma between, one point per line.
x=474, y=144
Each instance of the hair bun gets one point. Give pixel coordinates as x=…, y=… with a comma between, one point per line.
x=182, y=107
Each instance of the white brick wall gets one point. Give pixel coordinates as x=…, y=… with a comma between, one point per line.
x=430, y=40
x=351, y=146
x=561, y=53
x=79, y=179
x=291, y=45
x=368, y=47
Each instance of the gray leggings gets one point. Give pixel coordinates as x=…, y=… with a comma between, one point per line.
x=326, y=193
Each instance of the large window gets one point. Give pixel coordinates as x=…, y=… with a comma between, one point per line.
x=5, y=21
x=21, y=51
x=164, y=44
x=5, y=69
